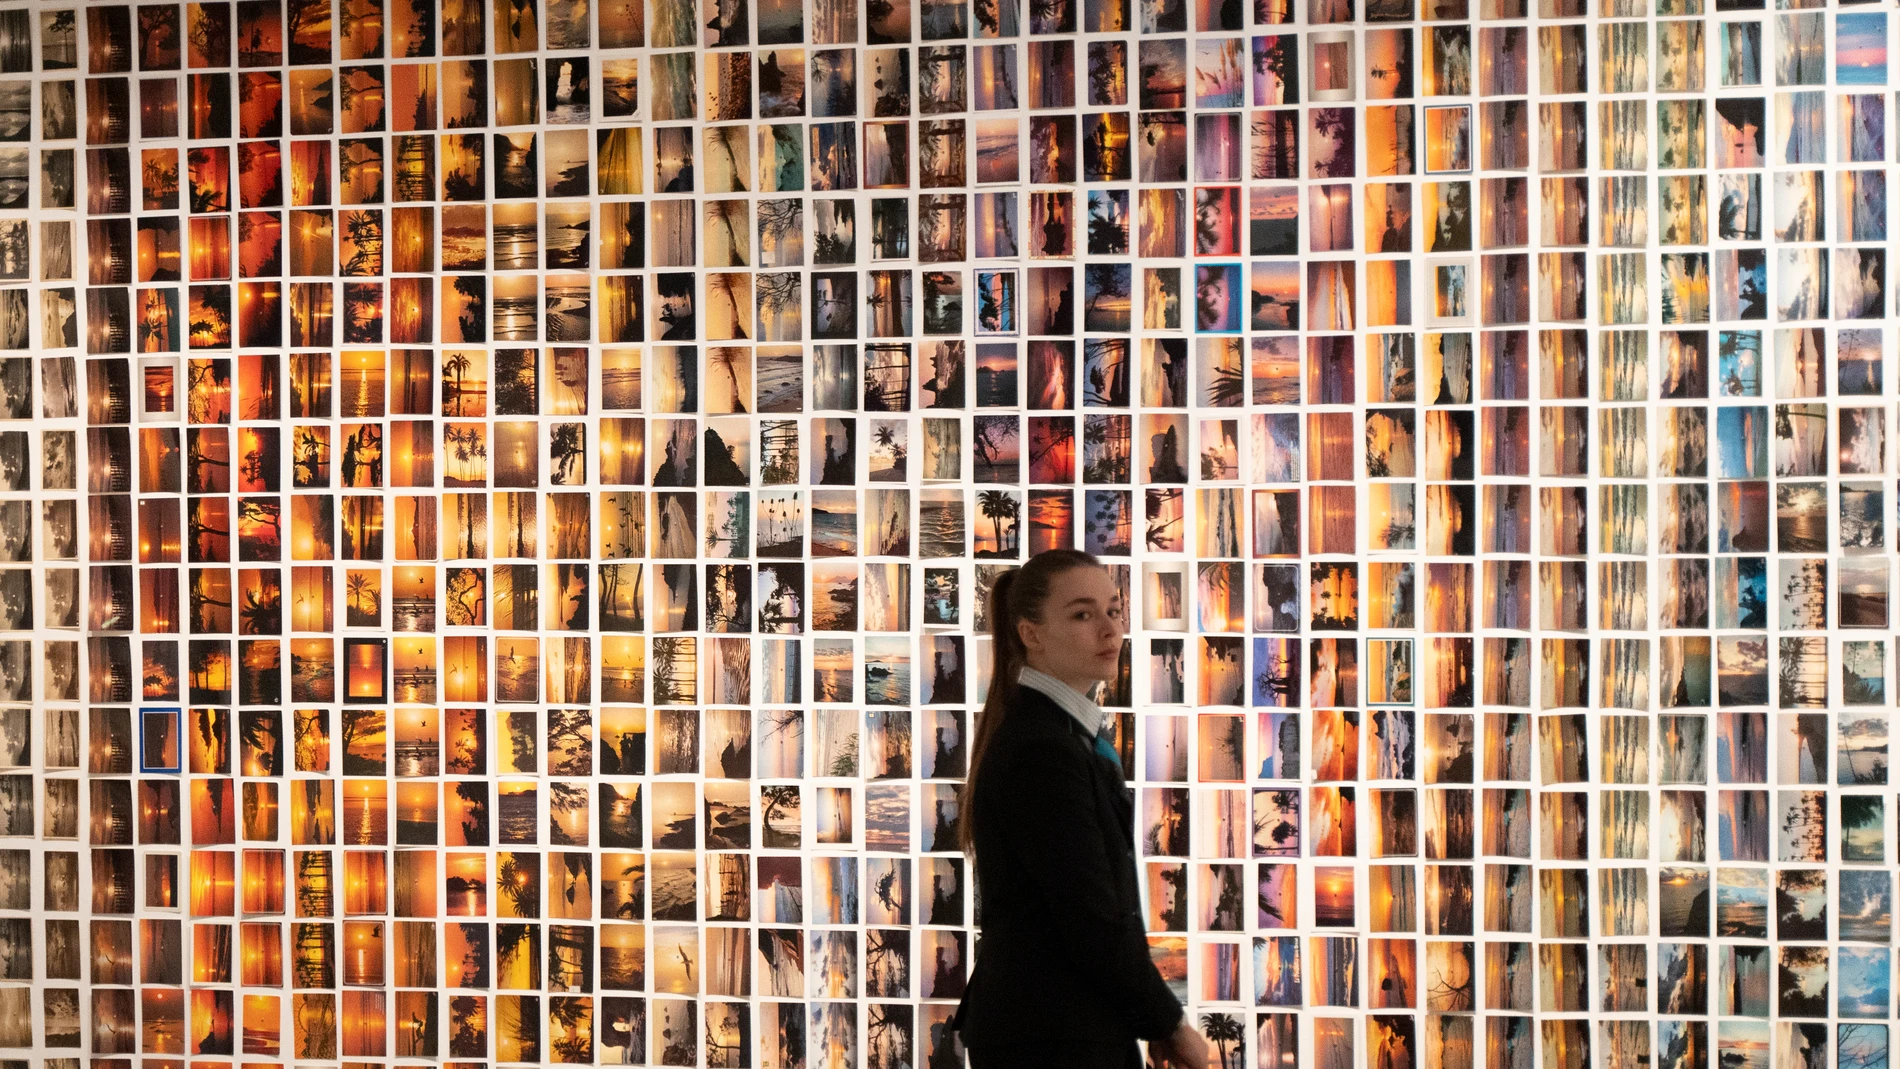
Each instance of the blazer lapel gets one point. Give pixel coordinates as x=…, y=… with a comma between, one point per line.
x=1121, y=796
x=1106, y=774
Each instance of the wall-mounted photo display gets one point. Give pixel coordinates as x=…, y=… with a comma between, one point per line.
x=488, y=488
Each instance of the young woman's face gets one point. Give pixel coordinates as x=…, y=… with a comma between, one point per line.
x=1080, y=636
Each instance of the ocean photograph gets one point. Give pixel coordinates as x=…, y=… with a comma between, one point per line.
x=517, y=814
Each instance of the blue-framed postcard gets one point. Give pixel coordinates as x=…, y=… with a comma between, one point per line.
x=161, y=745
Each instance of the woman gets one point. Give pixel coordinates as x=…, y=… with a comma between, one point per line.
x=1063, y=977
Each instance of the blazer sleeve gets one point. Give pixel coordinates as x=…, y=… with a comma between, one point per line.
x=1054, y=831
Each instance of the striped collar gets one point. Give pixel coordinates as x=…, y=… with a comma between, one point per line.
x=1090, y=715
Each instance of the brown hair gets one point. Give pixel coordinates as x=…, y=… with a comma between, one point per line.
x=1017, y=594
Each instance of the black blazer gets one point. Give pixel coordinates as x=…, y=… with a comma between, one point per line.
x=1063, y=952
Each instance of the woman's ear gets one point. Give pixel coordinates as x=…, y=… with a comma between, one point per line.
x=1030, y=634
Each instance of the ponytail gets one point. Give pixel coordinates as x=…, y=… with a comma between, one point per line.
x=1014, y=595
